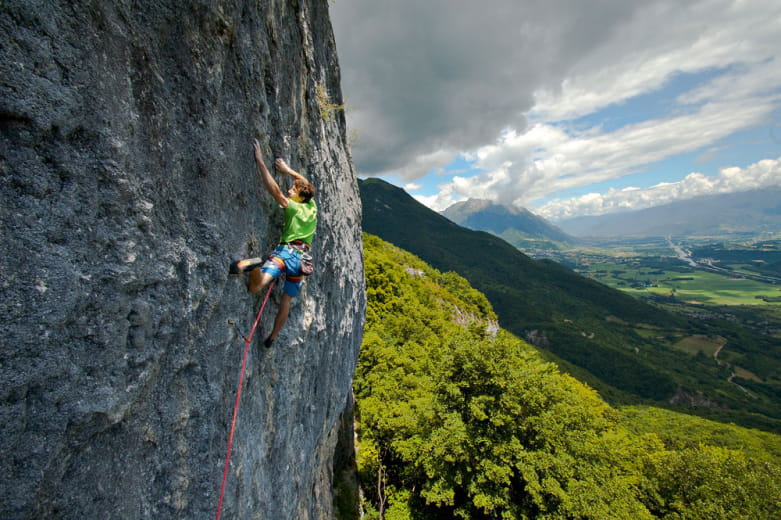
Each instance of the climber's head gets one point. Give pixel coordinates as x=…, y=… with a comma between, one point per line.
x=302, y=190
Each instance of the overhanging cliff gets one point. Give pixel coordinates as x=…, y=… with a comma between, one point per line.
x=128, y=184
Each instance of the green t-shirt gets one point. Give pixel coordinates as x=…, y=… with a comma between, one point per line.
x=300, y=221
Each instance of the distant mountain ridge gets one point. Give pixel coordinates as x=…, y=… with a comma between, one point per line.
x=520, y=227
x=737, y=214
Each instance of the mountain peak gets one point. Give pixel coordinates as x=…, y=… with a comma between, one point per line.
x=516, y=225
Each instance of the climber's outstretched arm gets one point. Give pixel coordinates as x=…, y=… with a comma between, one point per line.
x=268, y=181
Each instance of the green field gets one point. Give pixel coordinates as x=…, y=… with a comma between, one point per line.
x=708, y=345
x=731, y=289
x=732, y=297
x=702, y=287
x=646, y=273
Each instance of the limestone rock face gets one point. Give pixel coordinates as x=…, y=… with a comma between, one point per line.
x=127, y=185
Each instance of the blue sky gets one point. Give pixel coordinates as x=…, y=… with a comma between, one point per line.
x=565, y=107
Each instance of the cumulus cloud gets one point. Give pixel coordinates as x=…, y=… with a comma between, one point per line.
x=419, y=77
x=510, y=86
x=662, y=39
x=441, y=200
x=762, y=174
x=444, y=75
x=522, y=167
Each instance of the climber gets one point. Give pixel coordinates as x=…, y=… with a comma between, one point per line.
x=291, y=256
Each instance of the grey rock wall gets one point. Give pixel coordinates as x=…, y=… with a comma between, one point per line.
x=127, y=184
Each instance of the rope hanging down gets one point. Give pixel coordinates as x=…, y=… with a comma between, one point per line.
x=247, y=342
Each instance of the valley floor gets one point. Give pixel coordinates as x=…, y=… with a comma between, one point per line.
x=730, y=292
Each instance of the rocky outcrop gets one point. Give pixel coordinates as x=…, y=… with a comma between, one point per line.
x=128, y=184
x=694, y=400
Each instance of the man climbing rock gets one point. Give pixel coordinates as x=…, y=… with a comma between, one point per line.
x=291, y=257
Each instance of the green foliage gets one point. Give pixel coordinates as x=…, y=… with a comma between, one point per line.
x=680, y=431
x=327, y=108
x=713, y=483
x=457, y=419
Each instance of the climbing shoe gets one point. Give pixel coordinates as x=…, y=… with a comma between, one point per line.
x=269, y=341
x=243, y=266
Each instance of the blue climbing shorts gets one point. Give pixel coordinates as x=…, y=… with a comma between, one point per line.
x=286, y=260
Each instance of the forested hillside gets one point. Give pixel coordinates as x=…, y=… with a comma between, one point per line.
x=625, y=348
x=458, y=418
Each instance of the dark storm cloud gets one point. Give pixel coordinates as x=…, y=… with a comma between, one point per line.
x=422, y=77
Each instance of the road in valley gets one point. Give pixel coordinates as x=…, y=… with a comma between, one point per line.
x=683, y=255
x=707, y=265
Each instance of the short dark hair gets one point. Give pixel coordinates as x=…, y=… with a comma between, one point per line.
x=305, y=189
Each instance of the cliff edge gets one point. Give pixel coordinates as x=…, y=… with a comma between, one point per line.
x=128, y=184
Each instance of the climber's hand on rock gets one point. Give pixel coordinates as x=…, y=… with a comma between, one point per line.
x=282, y=165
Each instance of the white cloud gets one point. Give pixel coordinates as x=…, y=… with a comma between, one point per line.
x=546, y=159
x=449, y=74
x=661, y=40
x=441, y=200
x=412, y=187
x=761, y=174
x=438, y=79
x=741, y=82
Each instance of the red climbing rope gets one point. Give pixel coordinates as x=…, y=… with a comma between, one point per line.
x=247, y=341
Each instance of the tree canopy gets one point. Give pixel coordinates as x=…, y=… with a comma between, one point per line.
x=458, y=418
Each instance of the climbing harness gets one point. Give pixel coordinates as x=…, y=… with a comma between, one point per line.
x=247, y=341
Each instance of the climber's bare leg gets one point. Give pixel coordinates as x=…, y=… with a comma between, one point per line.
x=284, y=310
x=257, y=280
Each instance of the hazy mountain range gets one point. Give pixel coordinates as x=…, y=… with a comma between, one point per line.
x=744, y=213
x=735, y=214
